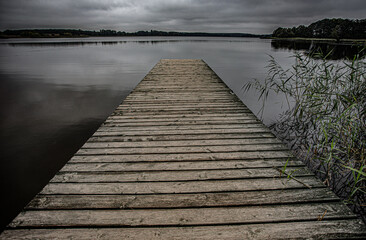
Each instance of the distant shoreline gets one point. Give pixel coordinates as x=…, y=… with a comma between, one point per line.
x=16, y=37
x=337, y=30
x=358, y=41
x=74, y=33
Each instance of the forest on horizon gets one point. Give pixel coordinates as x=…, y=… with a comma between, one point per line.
x=336, y=28
x=54, y=33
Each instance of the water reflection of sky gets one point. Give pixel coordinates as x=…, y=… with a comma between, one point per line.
x=123, y=64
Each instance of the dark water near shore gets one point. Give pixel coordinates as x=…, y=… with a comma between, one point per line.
x=54, y=93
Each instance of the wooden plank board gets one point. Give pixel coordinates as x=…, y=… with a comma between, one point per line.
x=181, y=217
x=106, y=128
x=183, y=143
x=183, y=132
x=336, y=229
x=180, y=137
x=197, y=119
x=177, y=111
x=220, y=199
x=183, y=158
x=182, y=116
x=183, y=150
x=177, y=175
x=180, y=105
x=181, y=123
x=180, y=186
x=112, y=164
x=210, y=158
x=177, y=137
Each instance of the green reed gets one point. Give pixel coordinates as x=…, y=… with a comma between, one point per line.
x=325, y=124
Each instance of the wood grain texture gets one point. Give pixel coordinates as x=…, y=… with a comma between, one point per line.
x=175, y=217
x=113, y=164
x=183, y=158
x=180, y=186
x=336, y=229
x=177, y=175
x=205, y=156
x=220, y=199
x=182, y=143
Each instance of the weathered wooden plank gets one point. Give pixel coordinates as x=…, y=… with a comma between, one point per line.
x=184, y=132
x=182, y=143
x=196, y=128
x=247, y=198
x=161, y=96
x=177, y=107
x=210, y=84
x=180, y=186
x=179, y=127
x=188, y=216
x=181, y=79
x=184, y=83
x=164, y=89
x=245, y=157
x=174, y=112
x=181, y=124
x=180, y=96
x=336, y=229
x=116, y=123
x=197, y=119
x=281, y=156
x=178, y=137
x=178, y=78
x=114, y=163
x=198, y=72
x=154, y=106
x=179, y=111
x=176, y=101
x=181, y=106
x=183, y=116
x=178, y=93
x=182, y=150
x=191, y=69
x=106, y=128
x=177, y=175
x=154, y=97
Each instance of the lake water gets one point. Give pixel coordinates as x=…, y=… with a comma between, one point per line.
x=56, y=92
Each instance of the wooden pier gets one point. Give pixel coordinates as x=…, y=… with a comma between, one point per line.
x=183, y=158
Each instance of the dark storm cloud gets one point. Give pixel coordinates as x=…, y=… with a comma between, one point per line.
x=256, y=16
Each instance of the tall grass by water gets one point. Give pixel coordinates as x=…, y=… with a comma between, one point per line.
x=325, y=125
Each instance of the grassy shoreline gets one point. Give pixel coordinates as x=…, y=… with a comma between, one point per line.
x=326, y=40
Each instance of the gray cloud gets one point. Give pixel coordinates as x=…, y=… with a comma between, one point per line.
x=255, y=16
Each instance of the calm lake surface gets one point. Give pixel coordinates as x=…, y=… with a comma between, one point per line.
x=56, y=92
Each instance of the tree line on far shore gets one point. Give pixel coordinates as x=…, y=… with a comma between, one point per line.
x=336, y=28
x=54, y=33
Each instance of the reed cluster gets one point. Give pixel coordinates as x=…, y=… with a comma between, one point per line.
x=325, y=124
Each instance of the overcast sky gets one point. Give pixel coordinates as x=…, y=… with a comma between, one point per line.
x=252, y=16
